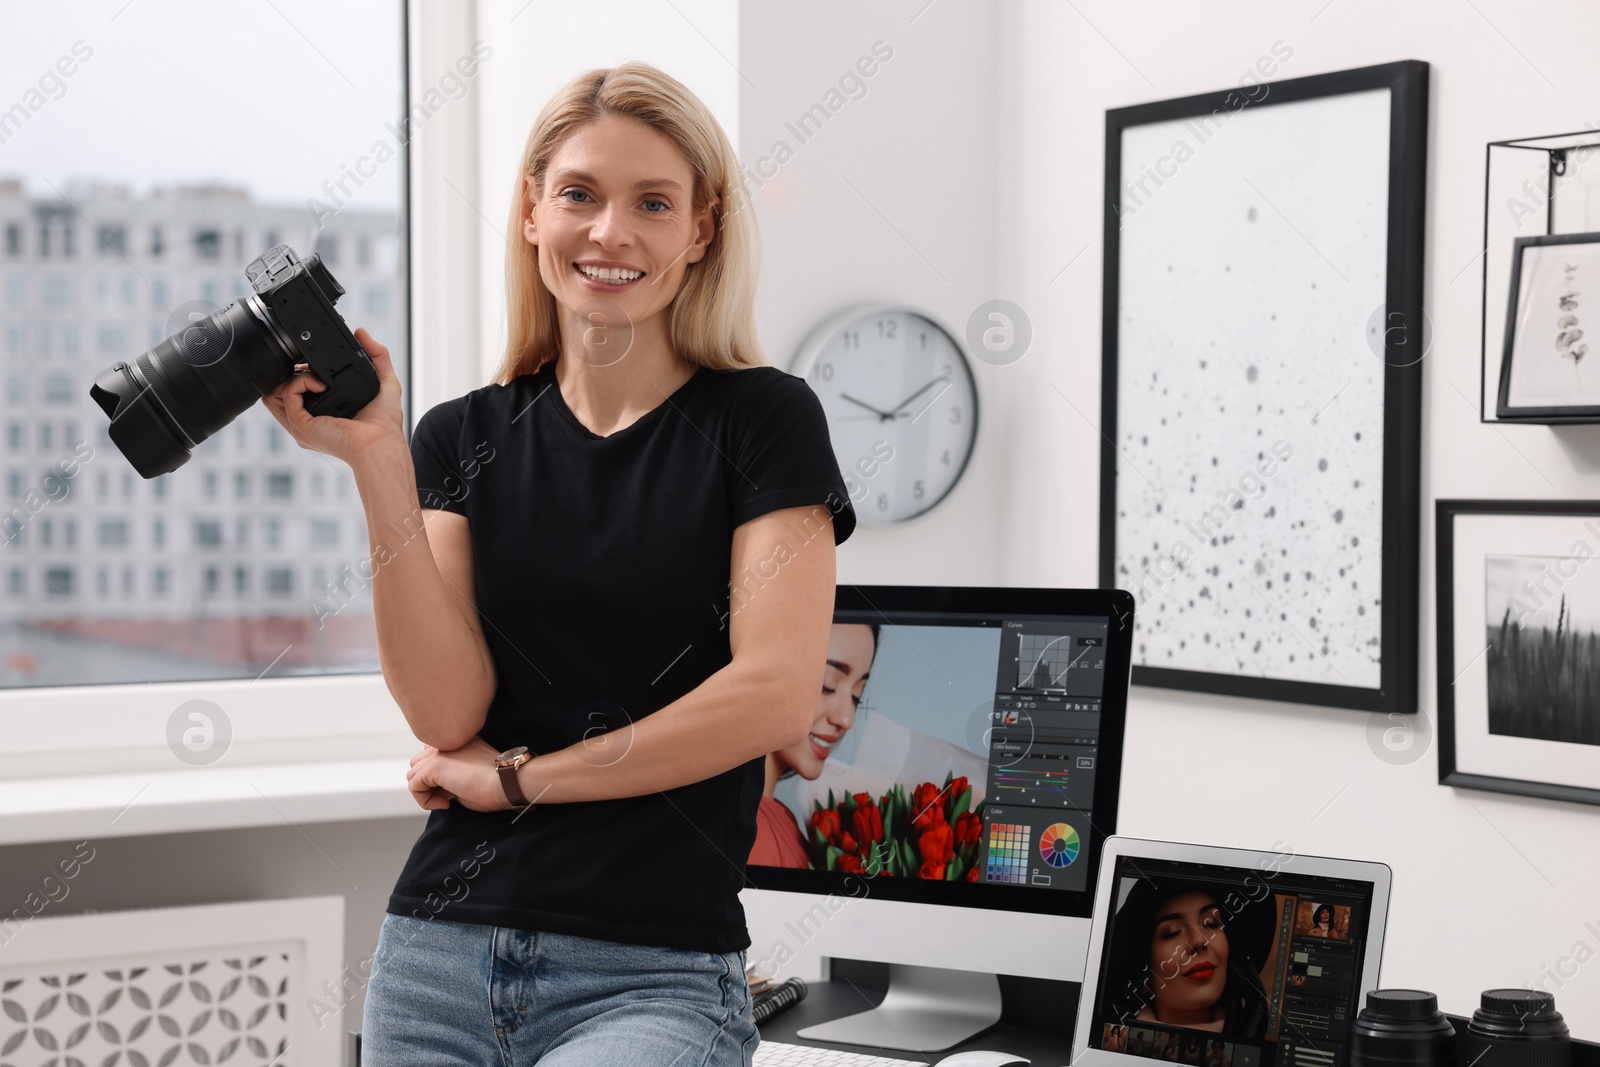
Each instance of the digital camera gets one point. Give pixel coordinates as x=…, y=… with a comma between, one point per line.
x=185, y=389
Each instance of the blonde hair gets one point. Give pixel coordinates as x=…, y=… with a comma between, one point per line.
x=712, y=320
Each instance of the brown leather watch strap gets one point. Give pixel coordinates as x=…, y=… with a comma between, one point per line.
x=513, y=788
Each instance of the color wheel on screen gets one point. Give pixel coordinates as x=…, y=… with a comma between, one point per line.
x=1058, y=845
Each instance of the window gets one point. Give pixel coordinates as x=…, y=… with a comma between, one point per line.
x=280, y=581
x=113, y=533
x=58, y=579
x=377, y=299
x=14, y=484
x=46, y=531
x=91, y=277
x=17, y=581
x=58, y=388
x=113, y=240
x=112, y=338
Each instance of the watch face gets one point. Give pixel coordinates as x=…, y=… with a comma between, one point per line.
x=511, y=753
x=902, y=409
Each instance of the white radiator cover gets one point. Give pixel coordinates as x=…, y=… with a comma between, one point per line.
x=258, y=982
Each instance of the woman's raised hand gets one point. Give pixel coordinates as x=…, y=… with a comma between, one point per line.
x=380, y=422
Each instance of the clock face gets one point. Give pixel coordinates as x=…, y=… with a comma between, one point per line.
x=902, y=409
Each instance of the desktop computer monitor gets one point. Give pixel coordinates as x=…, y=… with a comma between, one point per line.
x=946, y=813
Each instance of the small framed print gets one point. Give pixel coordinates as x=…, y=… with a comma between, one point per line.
x=1519, y=647
x=1546, y=373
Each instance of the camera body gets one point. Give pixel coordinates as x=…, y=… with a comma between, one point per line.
x=168, y=400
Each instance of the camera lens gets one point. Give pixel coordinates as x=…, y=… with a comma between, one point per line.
x=166, y=401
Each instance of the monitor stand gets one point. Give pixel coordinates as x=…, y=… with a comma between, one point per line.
x=927, y=1009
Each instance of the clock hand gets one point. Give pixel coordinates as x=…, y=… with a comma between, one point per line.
x=931, y=401
x=919, y=392
x=885, y=415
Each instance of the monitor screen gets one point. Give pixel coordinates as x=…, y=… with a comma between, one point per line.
x=959, y=749
x=1230, y=966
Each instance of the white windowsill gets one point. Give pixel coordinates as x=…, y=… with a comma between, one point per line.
x=86, y=807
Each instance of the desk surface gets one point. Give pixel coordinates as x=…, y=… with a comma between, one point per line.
x=830, y=1000
x=846, y=996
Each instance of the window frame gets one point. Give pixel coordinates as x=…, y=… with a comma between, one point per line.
x=81, y=731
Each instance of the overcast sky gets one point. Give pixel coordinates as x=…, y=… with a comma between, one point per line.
x=276, y=96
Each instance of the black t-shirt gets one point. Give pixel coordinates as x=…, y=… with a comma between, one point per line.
x=603, y=579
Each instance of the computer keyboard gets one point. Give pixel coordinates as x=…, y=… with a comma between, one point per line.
x=777, y=1054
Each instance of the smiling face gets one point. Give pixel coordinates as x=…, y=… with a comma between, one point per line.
x=615, y=221
x=1188, y=957
x=850, y=652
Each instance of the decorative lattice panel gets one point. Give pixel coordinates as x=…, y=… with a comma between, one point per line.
x=232, y=1009
x=215, y=984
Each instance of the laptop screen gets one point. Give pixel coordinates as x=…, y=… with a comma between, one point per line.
x=1216, y=966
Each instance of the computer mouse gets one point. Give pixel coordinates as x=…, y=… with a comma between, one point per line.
x=981, y=1058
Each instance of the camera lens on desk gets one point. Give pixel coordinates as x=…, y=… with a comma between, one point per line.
x=1402, y=1028
x=1517, y=1028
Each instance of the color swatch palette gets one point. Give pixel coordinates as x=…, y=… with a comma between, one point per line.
x=1008, y=853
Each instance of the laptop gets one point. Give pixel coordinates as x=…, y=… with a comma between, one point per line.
x=1224, y=957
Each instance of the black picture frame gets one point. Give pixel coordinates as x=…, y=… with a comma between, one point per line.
x=1576, y=413
x=1407, y=82
x=1445, y=514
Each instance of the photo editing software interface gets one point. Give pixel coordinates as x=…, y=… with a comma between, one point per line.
x=1231, y=967
x=974, y=739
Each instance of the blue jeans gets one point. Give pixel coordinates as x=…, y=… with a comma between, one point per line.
x=445, y=993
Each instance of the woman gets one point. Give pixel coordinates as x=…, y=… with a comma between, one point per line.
x=851, y=649
x=546, y=551
x=1179, y=958
x=1322, y=922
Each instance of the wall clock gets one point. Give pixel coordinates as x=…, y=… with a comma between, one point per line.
x=901, y=403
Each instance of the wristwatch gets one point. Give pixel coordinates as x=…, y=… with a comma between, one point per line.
x=507, y=763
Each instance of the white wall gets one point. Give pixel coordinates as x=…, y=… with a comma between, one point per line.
x=971, y=168
x=989, y=164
